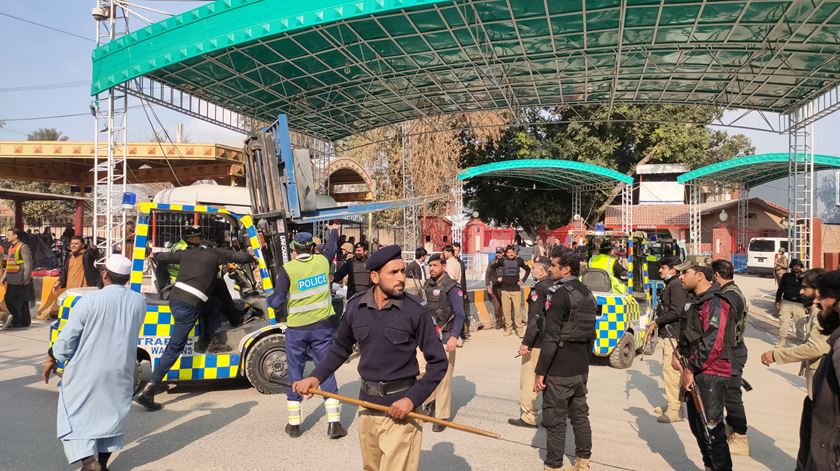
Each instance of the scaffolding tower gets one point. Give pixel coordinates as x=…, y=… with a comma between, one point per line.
x=411, y=236
x=110, y=120
x=801, y=184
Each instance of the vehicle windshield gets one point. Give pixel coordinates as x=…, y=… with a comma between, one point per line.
x=762, y=245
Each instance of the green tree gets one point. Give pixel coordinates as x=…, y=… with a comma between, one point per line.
x=46, y=134
x=36, y=211
x=629, y=136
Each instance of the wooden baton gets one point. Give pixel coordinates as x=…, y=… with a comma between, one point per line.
x=381, y=408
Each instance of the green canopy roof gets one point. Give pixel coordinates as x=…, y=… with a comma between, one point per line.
x=753, y=169
x=564, y=174
x=338, y=67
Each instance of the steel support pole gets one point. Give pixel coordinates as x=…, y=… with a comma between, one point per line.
x=627, y=208
x=458, y=218
x=410, y=232
x=741, y=239
x=801, y=184
x=694, y=218
x=577, y=193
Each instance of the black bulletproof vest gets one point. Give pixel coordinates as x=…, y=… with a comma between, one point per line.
x=510, y=268
x=438, y=302
x=361, y=275
x=580, y=325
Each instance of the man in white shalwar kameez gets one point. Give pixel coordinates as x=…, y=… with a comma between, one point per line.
x=98, y=347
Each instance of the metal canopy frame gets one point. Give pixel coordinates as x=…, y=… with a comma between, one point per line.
x=741, y=174
x=339, y=67
x=575, y=177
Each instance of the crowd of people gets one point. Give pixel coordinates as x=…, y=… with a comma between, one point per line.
x=407, y=344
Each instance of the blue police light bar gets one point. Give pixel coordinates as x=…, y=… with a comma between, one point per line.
x=599, y=228
x=129, y=199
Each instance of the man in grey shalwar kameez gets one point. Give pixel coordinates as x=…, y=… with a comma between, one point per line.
x=98, y=346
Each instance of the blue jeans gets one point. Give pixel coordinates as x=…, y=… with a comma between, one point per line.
x=317, y=339
x=185, y=316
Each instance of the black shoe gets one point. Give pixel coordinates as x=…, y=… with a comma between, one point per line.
x=335, y=430
x=438, y=428
x=293, y=430
x=201, y=345
x=146, y=397
x=520, y=423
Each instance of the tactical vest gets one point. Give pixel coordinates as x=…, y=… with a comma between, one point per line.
x=540, y=289
x=310, y=299
x=692, y=330
x=436, y=300
x=510, y=268
x=580, y=325
x=361, y=275
x=740, y=324
x=607, y=263
x=13, y=258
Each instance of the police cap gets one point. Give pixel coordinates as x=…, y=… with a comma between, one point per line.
x=436, y=257
x=361, y=245
x=383, y=256
x=192, y=231
x=303, y=238
x=500, y=250
x=546, y=261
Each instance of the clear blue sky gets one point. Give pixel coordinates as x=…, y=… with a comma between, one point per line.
x=34, y=55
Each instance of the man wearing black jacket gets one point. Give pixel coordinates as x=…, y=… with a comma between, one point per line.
x=510, y=286
x=491, y=280
x=789, y=303
x=199, y=265
x=563, y=365
x=736, y=416
x=530, y=348
x=670, y=310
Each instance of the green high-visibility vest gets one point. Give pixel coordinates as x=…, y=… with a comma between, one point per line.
x=607, y=262
x=174, y=268
x=310, y=299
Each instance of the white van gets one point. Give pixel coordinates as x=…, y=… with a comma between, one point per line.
x=761, y=254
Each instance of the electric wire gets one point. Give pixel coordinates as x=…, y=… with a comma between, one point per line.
x=45, y=86
x=47, y=27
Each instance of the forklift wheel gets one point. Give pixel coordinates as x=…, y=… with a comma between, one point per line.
x=623, y=354
x=267, y=359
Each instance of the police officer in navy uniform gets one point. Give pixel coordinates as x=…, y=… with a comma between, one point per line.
x=530, y=348
x=355, y=269
x=445, y=298
x=388, y=327
x=563, y=365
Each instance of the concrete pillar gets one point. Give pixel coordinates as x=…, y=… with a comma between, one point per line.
x=816, y=243
x=19, y=214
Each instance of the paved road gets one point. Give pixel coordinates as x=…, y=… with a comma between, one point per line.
x=230, y=426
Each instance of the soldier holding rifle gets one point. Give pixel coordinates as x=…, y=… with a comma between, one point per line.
x=704, y=360
x=388, y=327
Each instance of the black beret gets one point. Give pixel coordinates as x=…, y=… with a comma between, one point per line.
x=437, y=257
x=383, y=256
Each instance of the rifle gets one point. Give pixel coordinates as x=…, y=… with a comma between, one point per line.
x=649, y=337
x=693, y=392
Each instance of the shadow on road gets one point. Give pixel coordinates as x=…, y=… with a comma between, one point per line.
x=442, y=456
x=661, y=439
x=647, y=385
x=463, y=392
x=764, y=450
x=152, y=447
